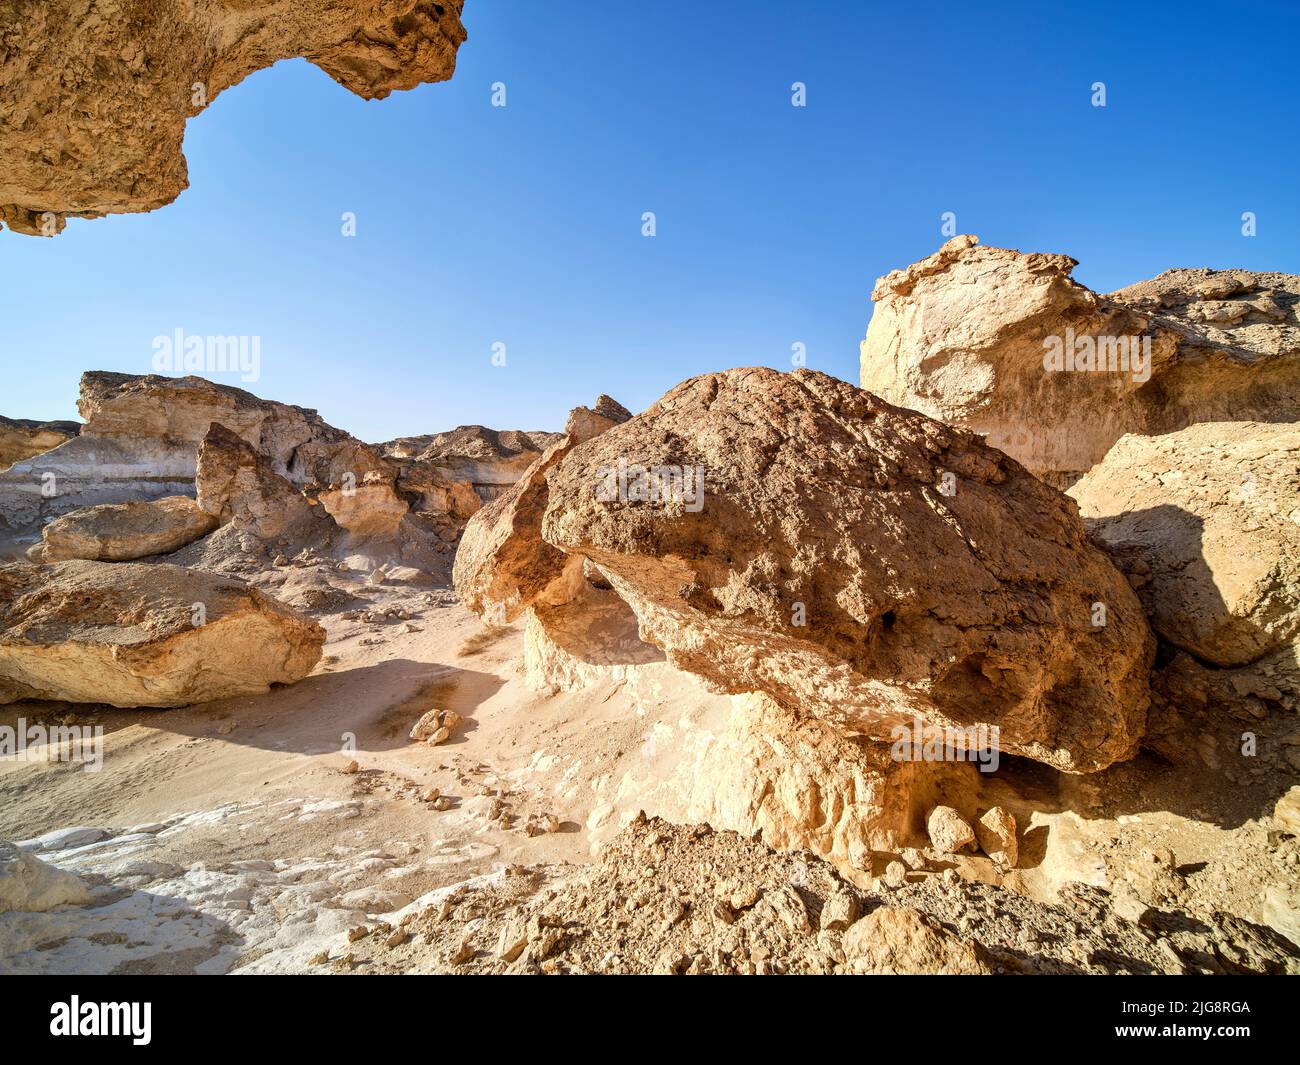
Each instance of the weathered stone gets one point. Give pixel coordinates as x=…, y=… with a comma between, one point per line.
x=949, y=832
x=1207, y=523
x=996, y=831
x=96, y=100
x=488, y=460
x=29, y=885
x=373, y=510
x=136, y=634
x=503, y=565
x=853, y=560
x=21, y=438
x=963, y=335
x=236, y=484
x=894, y=940
x=118, y=532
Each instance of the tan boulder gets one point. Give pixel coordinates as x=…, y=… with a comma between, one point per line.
x=503, y=565
x=136, y=634
x=857, y=562
x=29, y=885
x=996, y=831
x=973, y=336
x=893, y=940
x=236, y=484
x=118, y=532
x=113, y=89
x=949, y=832
x=372, y=510
x=1206, y=521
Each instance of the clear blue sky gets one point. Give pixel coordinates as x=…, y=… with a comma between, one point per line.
x=522, y=224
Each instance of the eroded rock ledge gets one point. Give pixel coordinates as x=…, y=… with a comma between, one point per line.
x=94, y=95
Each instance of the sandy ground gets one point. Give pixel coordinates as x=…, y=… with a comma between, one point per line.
x=232, y=836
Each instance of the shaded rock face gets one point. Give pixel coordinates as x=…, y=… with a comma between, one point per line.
x=139, y=634
x=963, y=337
x=1207, y=523
x=858, y=562
x=503, y=565
x=236, y=484
x=21, y=438
x=124, y=531
x=94, y=99
x=141, y=441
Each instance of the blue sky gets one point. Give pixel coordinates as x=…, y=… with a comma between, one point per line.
x=521, y=225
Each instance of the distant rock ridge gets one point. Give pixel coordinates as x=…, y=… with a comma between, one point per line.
x=21, y=438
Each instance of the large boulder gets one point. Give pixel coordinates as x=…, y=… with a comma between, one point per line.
x=858, y=562
x=503, y=565
x=975, y=336
x=96, y=97
x=236, y=484
x=119, y=532
x=139, y=634
x=21, y=438
x=1207, y=523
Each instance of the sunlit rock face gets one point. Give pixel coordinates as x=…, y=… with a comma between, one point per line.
x=1011, y=346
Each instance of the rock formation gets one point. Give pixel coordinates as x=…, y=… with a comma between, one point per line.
x=141, y=439
x=503, y=565
x=1207, y=523
x=137, y=634
x=124, y=531
x=21, y=438
x=488, y=459
x=94, y=98
x=236, y=484
x=855, y=561
x=1010, y=346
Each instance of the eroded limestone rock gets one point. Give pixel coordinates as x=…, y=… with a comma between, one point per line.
x=859, y=562
x=21, y=438
x=123, y=531
x=94, y=98
x=962, y=336
x=503, y=565
x=1206, y=521
x=236, y=484
x=138, y=634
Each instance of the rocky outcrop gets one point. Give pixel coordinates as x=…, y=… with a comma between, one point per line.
x=488, y=459
x=137, y=634
x=94, y=98
x=503, y=565
x=1206, y=521
x=793, y=535
x=141, y=441
x=236, y=484
x=124, y=531
x=21, y=438
x=1010, y=346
